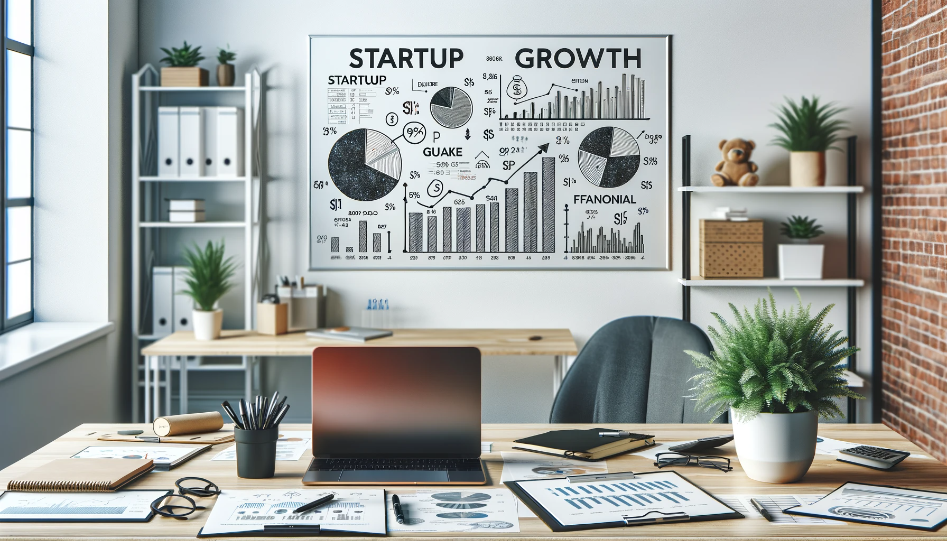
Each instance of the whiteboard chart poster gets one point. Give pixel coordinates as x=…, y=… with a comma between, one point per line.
x=489, y=152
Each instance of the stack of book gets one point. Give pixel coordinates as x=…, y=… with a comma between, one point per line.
x=186, y=210
x=731, y=214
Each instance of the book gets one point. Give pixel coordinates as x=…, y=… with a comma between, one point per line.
x=582, y=444
x=349, y=334
x=186, y=216
x=89, y=475
x=185, y=204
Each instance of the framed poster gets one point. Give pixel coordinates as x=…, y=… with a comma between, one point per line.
x=489, y=152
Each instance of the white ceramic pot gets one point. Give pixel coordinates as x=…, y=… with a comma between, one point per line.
x=207, y=324
x=801, y=261
x=776, y=447
x=806, y=169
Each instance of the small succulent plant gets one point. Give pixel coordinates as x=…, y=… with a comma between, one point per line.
x=225, y=56
x=799, y=227
x=185, y=57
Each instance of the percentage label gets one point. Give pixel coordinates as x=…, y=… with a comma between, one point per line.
x=414, y=195
x=568, y=181
x=489, y=111
x=414, y=132
x=468, y=81
x=646, y=185
x=329, y=131
x=389, y=206
x=650, y=160
x=391, y=90
x=642, y=210
x=414, y=174
x=411, y=108
x=489, y=76
x=563, y=158
x=562, y=140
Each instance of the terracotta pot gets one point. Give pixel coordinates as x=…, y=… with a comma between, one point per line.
x=225, y=75
x=806, y=169
x=776, y=447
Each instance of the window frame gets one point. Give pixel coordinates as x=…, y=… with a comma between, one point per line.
x=7, y=323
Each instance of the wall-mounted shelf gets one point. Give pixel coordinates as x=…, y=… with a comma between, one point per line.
x=761, y=190
x=191, y=88
x=191, y=179
x=769, y=282
x=191, y=224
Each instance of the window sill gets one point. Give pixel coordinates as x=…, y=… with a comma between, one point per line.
x=37, y=343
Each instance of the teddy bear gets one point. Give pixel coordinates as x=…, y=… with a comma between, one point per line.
x=736, y=169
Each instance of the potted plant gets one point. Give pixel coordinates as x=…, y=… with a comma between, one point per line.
x=208, y=280
x=182, y=67
x=807, y=131
x=801, y=260
x=225, y=71
x=777, y=374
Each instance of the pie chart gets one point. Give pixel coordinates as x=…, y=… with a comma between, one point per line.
x=461, y=496
x=365, y=164
x=451, y=107
x=609, y=157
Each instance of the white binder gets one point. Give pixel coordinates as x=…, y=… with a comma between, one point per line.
x=191, y=141
x=168, y=142
x=183, y=305
x=162, y=311
x=210, y=141
x=229, y=142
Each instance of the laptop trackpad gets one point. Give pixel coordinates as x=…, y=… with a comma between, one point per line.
x=393, y=476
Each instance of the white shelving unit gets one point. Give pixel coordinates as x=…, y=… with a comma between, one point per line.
x=147, y=95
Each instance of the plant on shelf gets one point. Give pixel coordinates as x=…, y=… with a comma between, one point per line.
x=182, y=67
x=807, y=130
x=801, y=260
x=776, y=373
x=225, y=70
x=208, y=279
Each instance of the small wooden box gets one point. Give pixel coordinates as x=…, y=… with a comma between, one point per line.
x=731, y=249
x=272, y=319
x=193, y=76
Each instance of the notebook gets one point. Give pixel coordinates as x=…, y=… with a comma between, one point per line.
x=582, y=444
x=349, y=334
x=89, y=475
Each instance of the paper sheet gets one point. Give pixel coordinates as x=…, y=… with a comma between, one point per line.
x=290, y=446
x=492, y=510
x=361, y=511
x=882, y=505
x=522, y=466
x=611, y=501
x=162, y=454
x=775, y=505
x=78, y=506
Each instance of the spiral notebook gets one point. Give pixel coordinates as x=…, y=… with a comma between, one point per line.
x=85, y=475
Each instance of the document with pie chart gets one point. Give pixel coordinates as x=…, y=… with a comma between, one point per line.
x=488, y=511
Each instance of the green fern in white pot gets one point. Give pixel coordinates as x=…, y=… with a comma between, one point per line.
x=208, y=280
x=776, y=373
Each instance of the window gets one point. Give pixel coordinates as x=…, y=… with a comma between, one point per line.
x=16, y=163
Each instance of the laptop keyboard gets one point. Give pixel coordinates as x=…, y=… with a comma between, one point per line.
x=429, y=464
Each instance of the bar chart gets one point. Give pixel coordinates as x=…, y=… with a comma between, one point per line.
x=640, y=494
x=611, y=243
x=619, y=102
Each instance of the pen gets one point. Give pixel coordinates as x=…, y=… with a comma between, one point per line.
x=759, y=507
x=589, y=477
x=313, y=505
x=615, y=434
x=243, y=414
x=280, y=415
x=274, y=412
x=231, y=414
x=396, y=505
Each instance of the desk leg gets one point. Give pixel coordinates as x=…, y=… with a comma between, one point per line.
x=182, y=383
x=558, y=373
x=147, y=387
x=168, y=361
x=156, y=389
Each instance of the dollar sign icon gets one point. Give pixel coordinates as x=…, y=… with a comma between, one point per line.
x=488, y=134
x=516, y=88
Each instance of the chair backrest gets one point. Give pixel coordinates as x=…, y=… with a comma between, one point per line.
x=633, y=370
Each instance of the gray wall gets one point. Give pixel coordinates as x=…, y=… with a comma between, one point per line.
x=732, y=60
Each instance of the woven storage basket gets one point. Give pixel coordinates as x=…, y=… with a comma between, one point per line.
x=731, y=249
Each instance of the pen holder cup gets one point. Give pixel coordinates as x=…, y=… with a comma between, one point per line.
x=256, y=452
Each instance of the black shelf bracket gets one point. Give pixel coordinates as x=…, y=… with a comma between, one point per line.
x=686, y=232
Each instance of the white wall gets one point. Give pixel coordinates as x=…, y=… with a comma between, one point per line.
x=731, y=62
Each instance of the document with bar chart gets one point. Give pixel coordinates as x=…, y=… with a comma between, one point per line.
x=489, y=152
x=654, y=495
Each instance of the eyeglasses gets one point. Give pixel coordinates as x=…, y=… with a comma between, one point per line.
x=181, y=505
x=721, y=463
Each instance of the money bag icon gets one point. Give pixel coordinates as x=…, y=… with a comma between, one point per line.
x=517, y=88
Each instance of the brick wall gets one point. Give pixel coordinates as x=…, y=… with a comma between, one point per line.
x=914, y=176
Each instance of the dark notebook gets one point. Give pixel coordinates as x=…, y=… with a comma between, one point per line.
x=582, y=444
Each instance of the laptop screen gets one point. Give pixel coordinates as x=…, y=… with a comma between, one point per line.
x=395, y=402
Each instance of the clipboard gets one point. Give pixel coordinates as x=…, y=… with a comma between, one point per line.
x=852, y=513
x=285, y=530
x=650, y=517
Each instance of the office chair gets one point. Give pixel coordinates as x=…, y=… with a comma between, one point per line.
x=633, y=370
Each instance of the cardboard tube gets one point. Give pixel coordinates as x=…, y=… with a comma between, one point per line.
x=190, y=423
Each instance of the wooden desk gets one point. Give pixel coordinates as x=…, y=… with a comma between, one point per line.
x=557, y=343
x=825, y=475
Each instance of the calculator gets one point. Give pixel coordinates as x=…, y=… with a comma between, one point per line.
x=878, y=458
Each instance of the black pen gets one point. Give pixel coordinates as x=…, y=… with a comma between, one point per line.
x=231, y=414
x=396, y=505
x=275, y=410
x=243, y=414
x=313, y=505
x=759, y=507
x=280, y=415
x=615, y=434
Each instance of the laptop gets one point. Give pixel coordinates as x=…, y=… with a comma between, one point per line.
x=395, y=416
